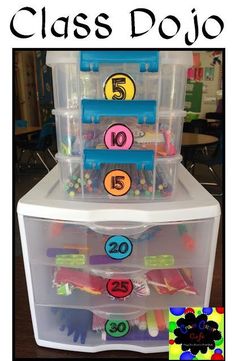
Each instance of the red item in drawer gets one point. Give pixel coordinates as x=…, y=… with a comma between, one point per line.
x=84, y=281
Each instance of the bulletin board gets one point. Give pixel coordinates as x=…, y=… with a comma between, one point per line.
x=193, y=98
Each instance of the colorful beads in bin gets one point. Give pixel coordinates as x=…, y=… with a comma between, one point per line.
x=117, y=174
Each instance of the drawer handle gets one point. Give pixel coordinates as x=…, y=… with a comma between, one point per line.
x=115, y=228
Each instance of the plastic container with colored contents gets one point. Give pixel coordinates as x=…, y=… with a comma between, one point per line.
x=118, y=175
x=119, y=75
x=70, y=287
x=107, y=124
x=131, y=125
x=119, y=251
x=77, y=329
x=127, y=131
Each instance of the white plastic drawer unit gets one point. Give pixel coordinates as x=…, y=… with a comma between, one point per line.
x=101, y=277
x=119, y=75
x=118, y=175
x=118, y=126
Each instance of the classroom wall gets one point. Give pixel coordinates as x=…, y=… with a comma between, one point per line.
x=210, y=87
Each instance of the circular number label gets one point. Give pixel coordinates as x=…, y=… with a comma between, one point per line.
x=117, y=182
x=118, y=136
x=119, y=86
x=117, y=328
x=118, y=247
x=119, y=288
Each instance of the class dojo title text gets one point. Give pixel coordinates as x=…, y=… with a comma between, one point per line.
x=142, y=22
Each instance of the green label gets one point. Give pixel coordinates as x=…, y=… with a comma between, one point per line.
x=117, y=328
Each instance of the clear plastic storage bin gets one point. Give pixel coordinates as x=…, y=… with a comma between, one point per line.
x=119, y=75
x=118, y=175
x=76, y=131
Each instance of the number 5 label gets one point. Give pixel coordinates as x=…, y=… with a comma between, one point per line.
x=119, y=86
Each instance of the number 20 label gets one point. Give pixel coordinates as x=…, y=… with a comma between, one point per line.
x=119, y=86
x=118, y=247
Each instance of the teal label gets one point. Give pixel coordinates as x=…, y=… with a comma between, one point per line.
x=118, y=247
x=117, y=328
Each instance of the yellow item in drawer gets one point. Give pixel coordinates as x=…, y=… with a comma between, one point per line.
x=70, y=260
x=159, y=261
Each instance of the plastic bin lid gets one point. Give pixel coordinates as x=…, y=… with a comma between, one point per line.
x=166, y=57
x=177, y=58
x=61, y=57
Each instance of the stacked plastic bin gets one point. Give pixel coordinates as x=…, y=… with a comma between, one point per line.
x=119, y=117
x=102, y=274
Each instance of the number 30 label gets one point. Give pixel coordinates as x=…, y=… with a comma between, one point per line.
x=117, y=328
x=119, y=86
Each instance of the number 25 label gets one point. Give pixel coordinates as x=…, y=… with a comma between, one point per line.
x=119, y=86
x=119, y=288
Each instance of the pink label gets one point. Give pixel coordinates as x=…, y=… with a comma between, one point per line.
x=118, y=136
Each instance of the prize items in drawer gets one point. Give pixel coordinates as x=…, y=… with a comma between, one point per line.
x=119, y=132
x=165, y=281
x=117, y=174
x=157, y=247
x=70, y=287
x=86, y=327
x=121, y=248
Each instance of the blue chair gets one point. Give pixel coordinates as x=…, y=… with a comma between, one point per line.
x=41, y=144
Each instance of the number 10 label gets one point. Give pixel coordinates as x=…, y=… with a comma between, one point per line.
x=118, y=136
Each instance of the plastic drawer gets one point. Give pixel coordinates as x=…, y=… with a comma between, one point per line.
x=121, y=133
x=116, y=250
x=69, y=287
x=83, y=330
x=118, y=175
x=119, y=75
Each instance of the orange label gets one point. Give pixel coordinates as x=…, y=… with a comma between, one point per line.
x=117, y=182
